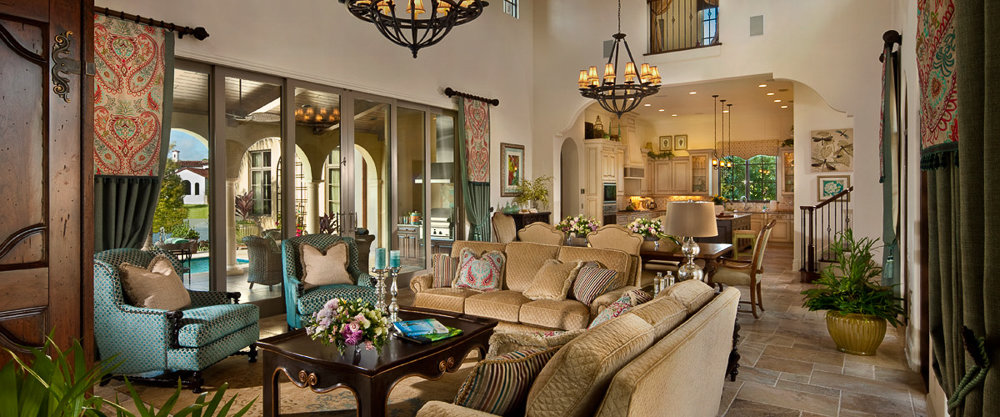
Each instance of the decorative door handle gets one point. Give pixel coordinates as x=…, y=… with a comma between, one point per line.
x=61, y=64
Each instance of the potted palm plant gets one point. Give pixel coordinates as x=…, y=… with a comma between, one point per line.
x=858, y=307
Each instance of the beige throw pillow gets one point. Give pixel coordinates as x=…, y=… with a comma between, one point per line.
x=324, y=267
x=156, y=286
x=553, y=280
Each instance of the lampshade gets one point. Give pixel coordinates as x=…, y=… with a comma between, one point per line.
x=691, y=218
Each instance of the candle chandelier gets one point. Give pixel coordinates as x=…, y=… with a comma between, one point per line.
x=620, y=97
x=411, y=29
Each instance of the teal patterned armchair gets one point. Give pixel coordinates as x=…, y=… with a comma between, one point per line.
x=166, y=344
x=300, y=303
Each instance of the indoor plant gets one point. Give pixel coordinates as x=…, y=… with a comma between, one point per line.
x=534, y=191
x=579, y=226
x=720, y=203
x=650, y=229
x=858, y=307
x=349, y=323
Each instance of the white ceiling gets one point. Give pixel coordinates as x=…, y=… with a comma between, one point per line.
x=741, y=92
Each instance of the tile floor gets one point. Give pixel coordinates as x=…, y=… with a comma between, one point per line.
x=790, y=366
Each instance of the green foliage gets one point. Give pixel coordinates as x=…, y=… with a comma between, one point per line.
x=850, y=285
x=58, y=385
x=660, y=155
x=184, y=231
x=197, y=211
x=756, y=178
x=170, y=211
x=534, y=190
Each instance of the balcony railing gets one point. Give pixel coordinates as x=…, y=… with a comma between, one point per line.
x=677, y=25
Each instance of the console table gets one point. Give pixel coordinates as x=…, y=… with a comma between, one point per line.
x=524, y=219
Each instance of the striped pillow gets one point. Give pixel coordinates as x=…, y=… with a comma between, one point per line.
x=500, y=385
x=443, y=267
x=594, y=282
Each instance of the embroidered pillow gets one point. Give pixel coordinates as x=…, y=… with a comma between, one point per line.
x=324, y=267
x=443, y=267
x=593, y=282
x=500, y=385
x=504, y=342
x=157, y=286
x=621, y=306
x=553, y=280
x=482, y=273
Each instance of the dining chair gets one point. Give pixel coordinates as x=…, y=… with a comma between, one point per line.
x=504, y=227
x=613, y=236
x=747, y=274
x=541, y=232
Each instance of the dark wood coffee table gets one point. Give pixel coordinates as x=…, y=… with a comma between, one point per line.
x=371, y=376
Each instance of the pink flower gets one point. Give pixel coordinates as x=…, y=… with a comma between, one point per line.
x=352, y=333
x=369, y=345
x=332, y=304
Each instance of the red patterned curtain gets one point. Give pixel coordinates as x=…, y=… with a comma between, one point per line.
x=474, y=139
x=938, y=85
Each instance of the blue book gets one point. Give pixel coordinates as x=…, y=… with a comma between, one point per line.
x=420, y=327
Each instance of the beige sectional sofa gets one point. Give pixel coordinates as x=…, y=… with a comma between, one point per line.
x=509, y=305
x=664, y=358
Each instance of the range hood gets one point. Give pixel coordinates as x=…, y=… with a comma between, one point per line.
x=635, y=172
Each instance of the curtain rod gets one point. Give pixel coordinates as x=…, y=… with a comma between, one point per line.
x=199, y=32
x=451, y=92
x=890, y=37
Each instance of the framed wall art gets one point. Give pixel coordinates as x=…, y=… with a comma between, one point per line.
x=831, y=185
x=680, y=142
x=511, y=169
x=666, y=143
x=832, y=150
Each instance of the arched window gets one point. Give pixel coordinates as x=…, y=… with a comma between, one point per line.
x=186, y=186
x=756, y=178
x=197, y=188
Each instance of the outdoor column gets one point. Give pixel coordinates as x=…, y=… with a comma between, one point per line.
x=312, y=212
x=232, y=268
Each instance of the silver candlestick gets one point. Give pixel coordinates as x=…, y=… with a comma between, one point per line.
x=379, y=276
x=394, y=289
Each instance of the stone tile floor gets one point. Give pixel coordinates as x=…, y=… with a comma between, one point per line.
x=789, y=366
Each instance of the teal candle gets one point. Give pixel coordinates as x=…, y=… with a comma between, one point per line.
x=394, y=260
x=380, y=258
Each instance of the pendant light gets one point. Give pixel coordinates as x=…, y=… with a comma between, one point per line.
x=729, y=164
x=715, y=131
x=410, y=29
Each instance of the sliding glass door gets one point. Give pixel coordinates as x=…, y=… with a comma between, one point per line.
x=409, y=230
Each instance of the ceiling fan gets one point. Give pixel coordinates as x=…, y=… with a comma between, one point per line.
x=260, y=115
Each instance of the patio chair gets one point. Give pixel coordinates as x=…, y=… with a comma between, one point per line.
x=265, y=261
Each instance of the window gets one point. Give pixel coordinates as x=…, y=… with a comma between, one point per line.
x=680, y=25
x=260, y=182
x=709, y=25
x=333, y=182
x=510, y=7
x=197, y=188
x=756, y=178
x=186, y=185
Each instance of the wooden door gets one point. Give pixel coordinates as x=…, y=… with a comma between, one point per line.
x=46, y=173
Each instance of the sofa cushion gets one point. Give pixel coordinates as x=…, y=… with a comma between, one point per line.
x=572, y=384
x=444, y=299
x=478, y=248
x=591, y=283
x=443, y=267
x=692, y=293
x=524, y=259
x=324, y=267
x=484, y=273
x=565, y=314
x=553, y=280
x=500, y=385
x=503, y=342
x=311, y=301
x=622, y=305
x=500, y=305
x=204, y=325
x=731, y=276
x=154, y=286
x=616, y=260
x=663, y=313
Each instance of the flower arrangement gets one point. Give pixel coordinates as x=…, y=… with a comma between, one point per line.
x=578, y=225
x=349, y=323
x=719, y=199
x=648, y=228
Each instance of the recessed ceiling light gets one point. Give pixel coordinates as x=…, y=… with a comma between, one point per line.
x=647, y=104
x=761, y=85
x=770, y=94
x=784, y=107
x=725, y=111
x=777, y=100
x=674, y=115
x=660, y=110
x=692, y=92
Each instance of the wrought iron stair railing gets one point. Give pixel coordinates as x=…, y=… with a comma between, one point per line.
x=820, y=225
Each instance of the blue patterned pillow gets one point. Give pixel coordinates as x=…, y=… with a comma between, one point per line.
x=500, y=385
x=482, y=273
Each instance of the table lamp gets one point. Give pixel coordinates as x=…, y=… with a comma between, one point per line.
x=691, y=219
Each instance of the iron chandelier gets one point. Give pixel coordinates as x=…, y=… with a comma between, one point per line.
x=623, y=97
x=409, y=29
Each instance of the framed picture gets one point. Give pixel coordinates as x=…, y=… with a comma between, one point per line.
x=831, y=185
x=832, y=150
x=511, y=168
x=666, y=143
x=680, y=142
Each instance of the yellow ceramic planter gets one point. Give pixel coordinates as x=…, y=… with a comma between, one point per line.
x=857, y=334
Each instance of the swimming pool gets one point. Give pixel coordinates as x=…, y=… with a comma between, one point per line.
x=201, y=264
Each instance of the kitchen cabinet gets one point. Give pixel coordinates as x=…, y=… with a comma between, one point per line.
x=608, y=165
x=726, y=226
x=603, y=163
x=701, y=172
x=681, y=175
x=787, y=162
x=783, y=230
x=672, y=176
x=646, y=184
x=620, y=172
x=624, y=218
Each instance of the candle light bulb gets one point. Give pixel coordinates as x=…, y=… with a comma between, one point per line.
x=609, y=73
x=630, y=74
x=592, y=75
x=654, y=72
x=417, y=5
x=583, y=79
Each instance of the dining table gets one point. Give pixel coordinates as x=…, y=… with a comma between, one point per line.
x=710, y=253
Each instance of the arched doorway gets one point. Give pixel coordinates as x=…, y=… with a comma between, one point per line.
x=366, y=193
x=569, y=170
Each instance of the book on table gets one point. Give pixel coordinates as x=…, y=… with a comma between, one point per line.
x=425, y=330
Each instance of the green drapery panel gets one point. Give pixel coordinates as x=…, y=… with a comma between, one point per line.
x=964, y=287
x=888, y=134
x=133, y=99
x=475, y=194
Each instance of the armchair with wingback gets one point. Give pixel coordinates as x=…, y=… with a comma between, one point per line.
x=156, y=342
x=300, y=303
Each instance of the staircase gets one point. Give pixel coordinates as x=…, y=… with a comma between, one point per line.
x=820, y=225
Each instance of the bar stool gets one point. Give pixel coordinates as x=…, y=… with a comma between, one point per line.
x=740, y=235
